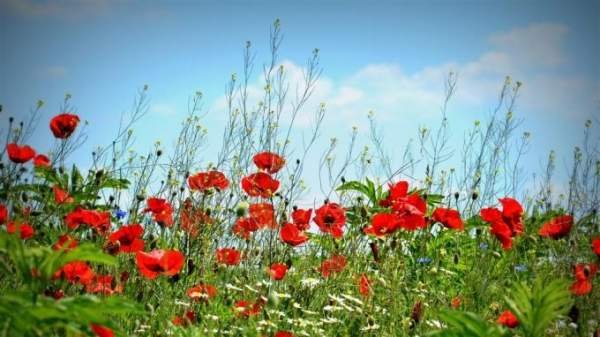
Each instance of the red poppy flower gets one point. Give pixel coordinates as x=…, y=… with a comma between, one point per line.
x=65, y=242
x=263, y=214
x=584, y=274
x=244, y=227
x=129, y=238
x=450, y=218
x=228, y=256
x=331, y=218
x=191, y=218
x=61, y=196
x=100, y=221
x=410, y=208
x=20, y=154
x=301, y=218
x=260, y=184
x=102, y=284
x=291, y=235
x=364, y=285
x=63, y=125
x=508, y=319
x=76, y=272
x=268, y=161
x=101, y=331
x=595, y=245
x=188, y=318
x=156, y=262
x=41, y=160
x=203, y=181
x=202, y=291
x=382, y=224
x=3, y=214
x=247, y=309
x=334, y=264
x=455, y=303
x=161, y=210
x=24, y=229
x=558, y=227
x=282, y=333
x=278, y=270
x=505, y=224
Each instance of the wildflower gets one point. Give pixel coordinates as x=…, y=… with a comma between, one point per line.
x=41, y=160
x=61, y=196
x=100, y=221
x=3, y=214
x=268, y=161
x=129, y=238
x=247, y=309
x=101, y=331
x=520, y=268
x=264, y=214
x=277, y=271
x=228, y=256
x=455, y=303
x=203, y=181
x=505, y=224
x=65, y=242
x=301, y=218
x=25, y=230
x=161, y=210
x=191, y=218
x=120, y=214
x=424, y=260
x=291, y=235
x=483, y=246
x=260, y=184
x=364, y=285
x=595, y=244
x=244, y=227
x=584, y=273
x=331, y=218
x=165, y=262
x=187, y=318
x=508, y=319
x=102, y=284
x=202, y=291
x=282, y=333
x=382, y=224
x=76, y=272
x=20, y=154
x=450, y=218
x=335, y=264
x=410, y=208
x=63, y=125
x=558, y=227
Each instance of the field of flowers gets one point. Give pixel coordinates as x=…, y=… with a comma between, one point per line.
x=163, y=244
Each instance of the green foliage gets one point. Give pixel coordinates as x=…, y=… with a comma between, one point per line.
x=537, y=307
x=467, y=324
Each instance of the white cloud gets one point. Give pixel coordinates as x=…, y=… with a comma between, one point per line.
x=533, y=55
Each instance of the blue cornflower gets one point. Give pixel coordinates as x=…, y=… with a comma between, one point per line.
x=520, y=268
x=120, y=214
x=483, y=246
x=424, y=260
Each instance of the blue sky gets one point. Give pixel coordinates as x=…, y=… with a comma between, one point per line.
x=388, y=56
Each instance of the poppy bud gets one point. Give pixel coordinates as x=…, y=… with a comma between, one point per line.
x=99, y=174
x=343, y=180
x=574, y=314
x=297, y=161
x=24, y=197
x=159, y=153
x=295, y=208
x=474, y=196
x=288, y=263
x=1, y=166
x=456, y=195
x=241, y=208
x=455, y=258
x=326, y=201
x=139, y=198
x=191, y=266
x=374, y=251
x=112, y=248
x=417, y=313
x=424, y=196
x=11, y=119
x=174, y=278
x=111, y=198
